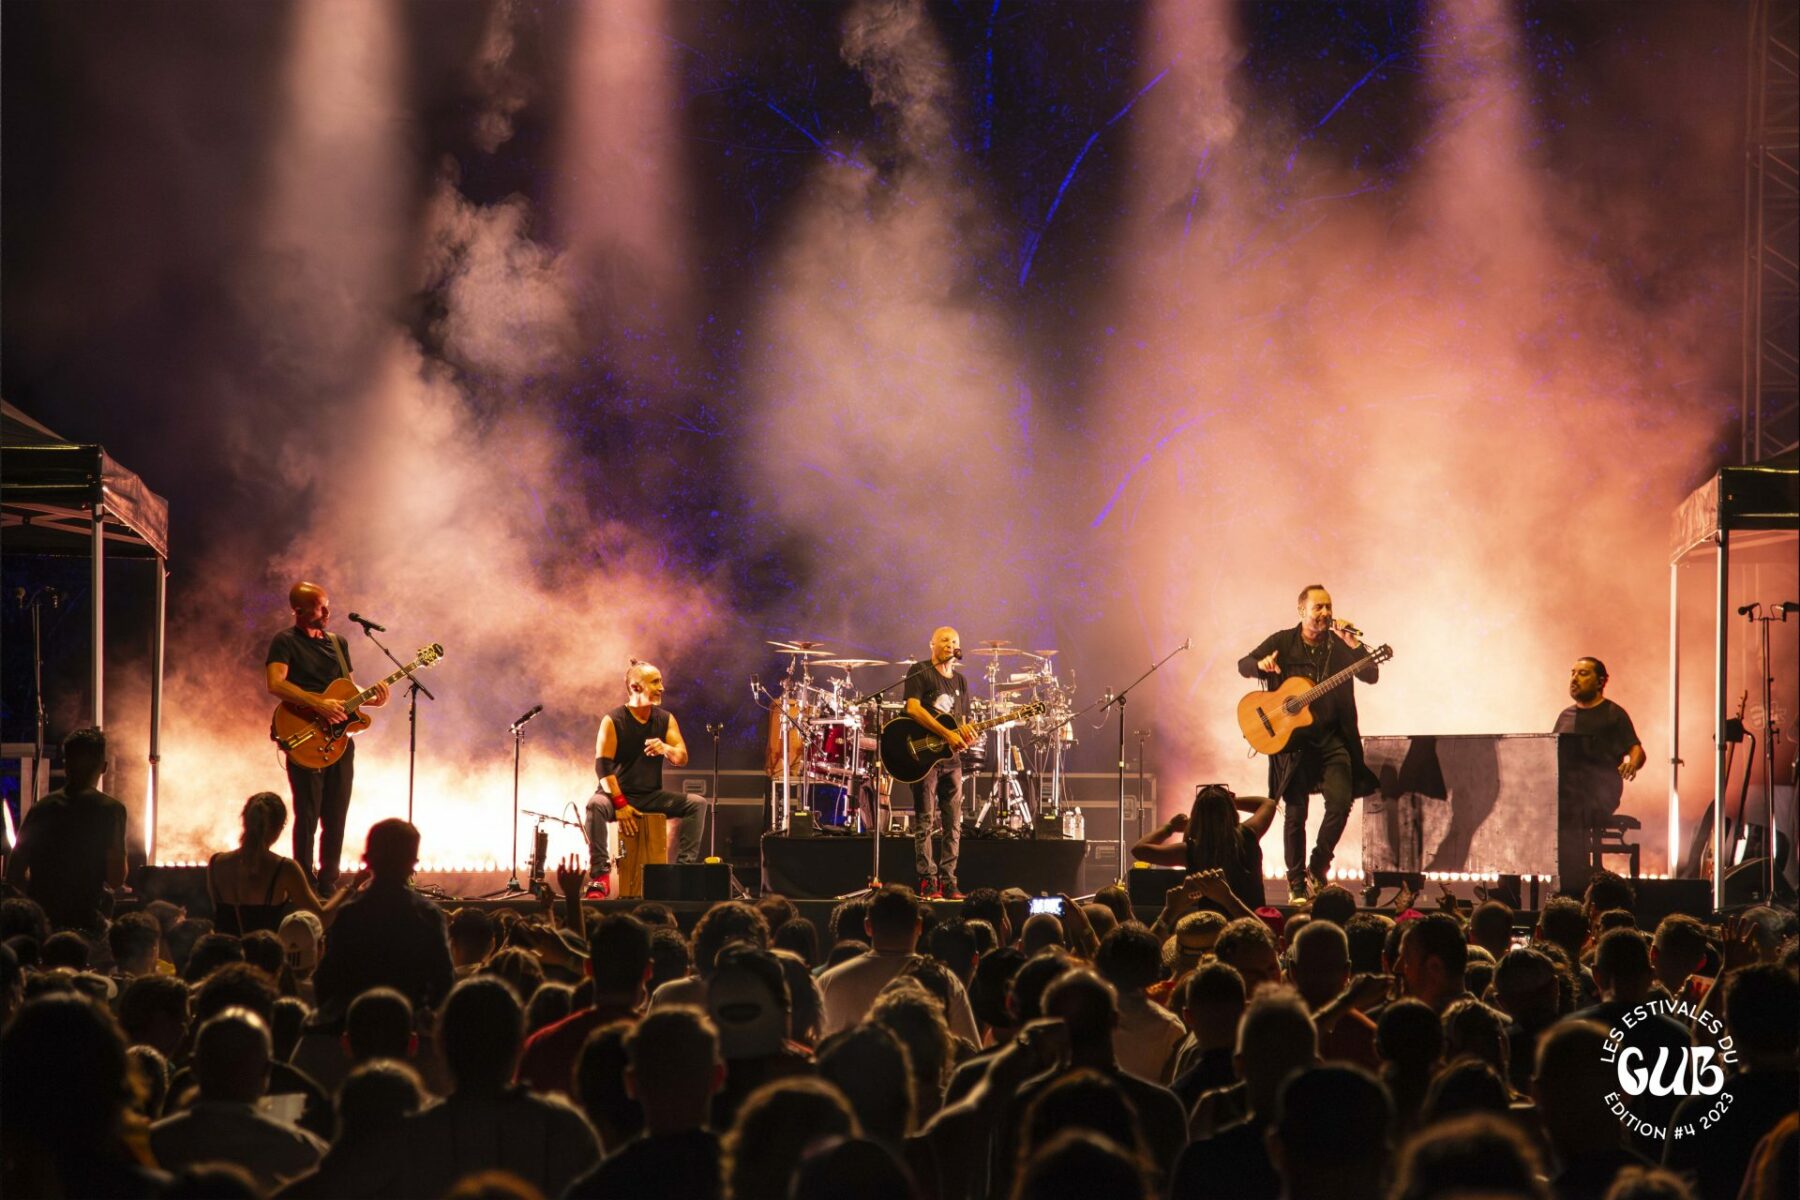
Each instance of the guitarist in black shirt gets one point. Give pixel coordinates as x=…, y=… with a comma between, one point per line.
x=1326, y=756
x=937, y=697
x=635, y=740
x=303, y=660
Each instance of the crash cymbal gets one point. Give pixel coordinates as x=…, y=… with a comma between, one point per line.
x=1045, y=653
x=996, y=651
x=850, y=664
x=808, y=649
x=995, y=642
x=1019, y=686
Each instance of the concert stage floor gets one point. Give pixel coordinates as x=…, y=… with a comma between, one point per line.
x=831, y=865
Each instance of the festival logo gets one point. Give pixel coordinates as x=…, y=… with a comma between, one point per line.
x=1649, y=1068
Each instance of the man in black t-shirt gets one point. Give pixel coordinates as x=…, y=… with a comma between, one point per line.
x=72, y=845
x=635, y=740
x=937, y=697
x=1326, y=756
x=303, y=661
x=1599, y=757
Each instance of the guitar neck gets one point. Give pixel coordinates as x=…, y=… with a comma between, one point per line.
x=1319, y=689
x=368, y=693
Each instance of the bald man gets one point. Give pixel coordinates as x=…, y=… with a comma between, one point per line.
x=937, y=697
x=635, y=740
x=303, y=660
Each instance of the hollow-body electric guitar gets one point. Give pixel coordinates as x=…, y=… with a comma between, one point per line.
x=909, y=749
x=1269, y=719
x=311, y=739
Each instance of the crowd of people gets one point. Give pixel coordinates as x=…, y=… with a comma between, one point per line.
x=372, y=1044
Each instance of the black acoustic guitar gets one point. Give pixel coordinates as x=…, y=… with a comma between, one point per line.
x=909, y=749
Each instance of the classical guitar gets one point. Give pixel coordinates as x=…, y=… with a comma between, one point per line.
x=1269, y=719
x=314, y=740
x=909, y=748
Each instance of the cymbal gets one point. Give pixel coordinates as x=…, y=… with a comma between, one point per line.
x=1020, y=686
x=996, y=651
x=809, y=649
x=1045, y=653
x=850, y=664
x=995, y=642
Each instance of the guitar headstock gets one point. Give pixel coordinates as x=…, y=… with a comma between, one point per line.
x=1382, y=653
x=430, y=654
x=1030, y=710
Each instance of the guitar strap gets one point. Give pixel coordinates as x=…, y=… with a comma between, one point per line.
x=337, y=648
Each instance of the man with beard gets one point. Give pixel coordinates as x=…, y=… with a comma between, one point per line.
x=1327, y=755
x=303, y=660
x=1600, y=755
x=635, y=740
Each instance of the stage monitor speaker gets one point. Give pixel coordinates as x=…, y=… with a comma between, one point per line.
x=800, y=825
x=1149, y=886
x=1657, y=898
x=1744, y=885
x=687, y=881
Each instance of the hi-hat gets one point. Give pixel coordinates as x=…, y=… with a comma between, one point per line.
x=1044, y=653
x=850, y=664
x=996, y=651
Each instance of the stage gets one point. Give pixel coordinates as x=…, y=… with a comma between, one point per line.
x=831, y=865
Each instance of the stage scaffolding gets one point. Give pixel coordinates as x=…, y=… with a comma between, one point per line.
x=1771, y=377
x=62, y=498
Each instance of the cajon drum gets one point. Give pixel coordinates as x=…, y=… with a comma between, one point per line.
x=651, y=845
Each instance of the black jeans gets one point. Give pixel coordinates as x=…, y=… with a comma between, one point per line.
x=321, y=799
x=1323, y=767
x=689, y=812
x=937, y=810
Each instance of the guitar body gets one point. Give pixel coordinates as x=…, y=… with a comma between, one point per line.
x=910, y=749
x=1269, y=719
x=309, y=737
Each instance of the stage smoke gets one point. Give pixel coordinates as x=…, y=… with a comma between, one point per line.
x=892, y=416
x=1424, y=392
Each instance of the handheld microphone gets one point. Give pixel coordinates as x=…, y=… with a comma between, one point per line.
x=368, y=624
x=535, y=710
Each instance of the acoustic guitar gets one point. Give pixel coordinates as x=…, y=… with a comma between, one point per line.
x=909, y=749
x=1269, y=719
x=314, y=740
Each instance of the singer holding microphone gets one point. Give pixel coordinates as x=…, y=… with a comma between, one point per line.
x=1326, y=756
x=303, y=660
x=635, y=740
x=937, y=697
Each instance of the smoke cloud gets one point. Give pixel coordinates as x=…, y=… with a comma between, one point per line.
x=1454, y=420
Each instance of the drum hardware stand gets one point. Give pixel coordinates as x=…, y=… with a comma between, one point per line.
x=1117, y=700
x=517, y=729
x=1766, y=881
x=413, y=688
x=738, y=890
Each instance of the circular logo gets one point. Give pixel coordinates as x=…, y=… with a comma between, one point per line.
x=1656, y=1072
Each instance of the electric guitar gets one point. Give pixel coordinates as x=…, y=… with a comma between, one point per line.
x=314, y=740
x=1269, y=719
x=909, y=748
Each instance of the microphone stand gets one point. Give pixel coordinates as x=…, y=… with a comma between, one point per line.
x=413, y=688
x=1118, y=701
x=738, y=890
x=512, y=888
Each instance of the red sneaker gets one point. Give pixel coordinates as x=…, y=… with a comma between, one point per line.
x=928, y=888
x=600, y=889
x=950, y=892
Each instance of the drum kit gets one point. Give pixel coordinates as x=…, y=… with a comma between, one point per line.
x=824, y=731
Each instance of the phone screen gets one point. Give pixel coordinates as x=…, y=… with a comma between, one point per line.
x=1047, y=904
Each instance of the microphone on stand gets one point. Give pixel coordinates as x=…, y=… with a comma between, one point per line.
x=957, y=654
x=535, y=710
x=367, y=624
x=1789, y=606
x=1745, y=610
x=755, y=688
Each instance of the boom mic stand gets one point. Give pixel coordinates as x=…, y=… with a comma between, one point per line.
x=1117, y=700
x=738, y=890
x=512, y=888
x=413, y=688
